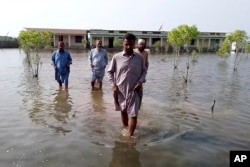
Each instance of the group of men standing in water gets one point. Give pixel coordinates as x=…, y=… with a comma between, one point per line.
x=126, y=73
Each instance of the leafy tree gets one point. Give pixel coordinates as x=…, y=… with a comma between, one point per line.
x=117, y=42
x=247, y=49
x=224, y=49
x=174, y=38
x=84, y=42
x=201, y=47
x=157, y=45
x=32, y=43
x=194, y=56
x=239, y=37
x=182, y=36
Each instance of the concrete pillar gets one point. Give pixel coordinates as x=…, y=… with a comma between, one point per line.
x=69, y=41
x=54, y=39
x=197, y=43
x=209, y=43
x=161, y=42
x=150, y=42
x=90, y=41
x=103, y=41
x=220, y=42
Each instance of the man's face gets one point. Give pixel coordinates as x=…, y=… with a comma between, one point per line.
x=141, y=46
x=61, y=46
x=128, y=46
x=98, y=43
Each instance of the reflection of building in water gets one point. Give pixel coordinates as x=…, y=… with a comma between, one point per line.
x=125, y=155
x=62, y=106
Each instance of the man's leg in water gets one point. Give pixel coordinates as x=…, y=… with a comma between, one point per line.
x=131, y=125
x=124, y=118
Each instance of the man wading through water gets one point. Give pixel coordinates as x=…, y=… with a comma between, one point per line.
x=127, y=73
x=141, y=50
x=61, y=61
x=98, y=60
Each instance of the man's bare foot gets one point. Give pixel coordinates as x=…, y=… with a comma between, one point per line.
x=125, y=133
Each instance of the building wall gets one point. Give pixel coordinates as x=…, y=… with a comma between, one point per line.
x=208, y=40
x=9, y=44
x=69, y=36
x=69, y=40
x=149, y=36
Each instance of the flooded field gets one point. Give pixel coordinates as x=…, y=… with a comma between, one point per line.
x=42, y=126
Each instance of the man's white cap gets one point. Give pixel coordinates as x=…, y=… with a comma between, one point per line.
x=141, y=41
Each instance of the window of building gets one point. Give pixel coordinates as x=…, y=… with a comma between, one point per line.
x=60, y=38
x=123, y=32
x=111, y=31
x=78, y=39
x=156, y=32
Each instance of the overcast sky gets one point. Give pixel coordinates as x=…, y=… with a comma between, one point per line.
x=207, y=15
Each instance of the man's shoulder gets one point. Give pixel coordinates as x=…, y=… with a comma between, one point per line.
x=137, y=54
x=67, y=52
x=54, y=52
x=136, y=50
x=119, y=53
x=104, y=50
x=147, y=51
x=96, y=50
x=92, y=50
x=144, y=52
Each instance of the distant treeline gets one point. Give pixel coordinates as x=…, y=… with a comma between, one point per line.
x=8, y=42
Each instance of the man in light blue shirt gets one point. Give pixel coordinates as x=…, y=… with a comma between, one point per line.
x=61, y=60
x=98, y=61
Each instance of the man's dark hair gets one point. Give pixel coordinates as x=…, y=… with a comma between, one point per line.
x=129, y=36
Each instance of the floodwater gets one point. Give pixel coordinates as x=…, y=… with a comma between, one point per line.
x=42, y=126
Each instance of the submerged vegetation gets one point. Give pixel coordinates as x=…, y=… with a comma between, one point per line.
x=182, y=37
x=32, y=42
x=238, y=39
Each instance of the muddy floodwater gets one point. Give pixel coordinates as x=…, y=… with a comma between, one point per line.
x=42, y=126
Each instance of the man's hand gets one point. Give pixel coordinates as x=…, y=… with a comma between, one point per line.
x=92, y=66
x=138, y=86
x=115, y=89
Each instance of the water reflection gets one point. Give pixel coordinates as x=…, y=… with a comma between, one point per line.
x=124, y=155
x=97, y=101
x=54, y=116
x=62, y=106
x=97, y=121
